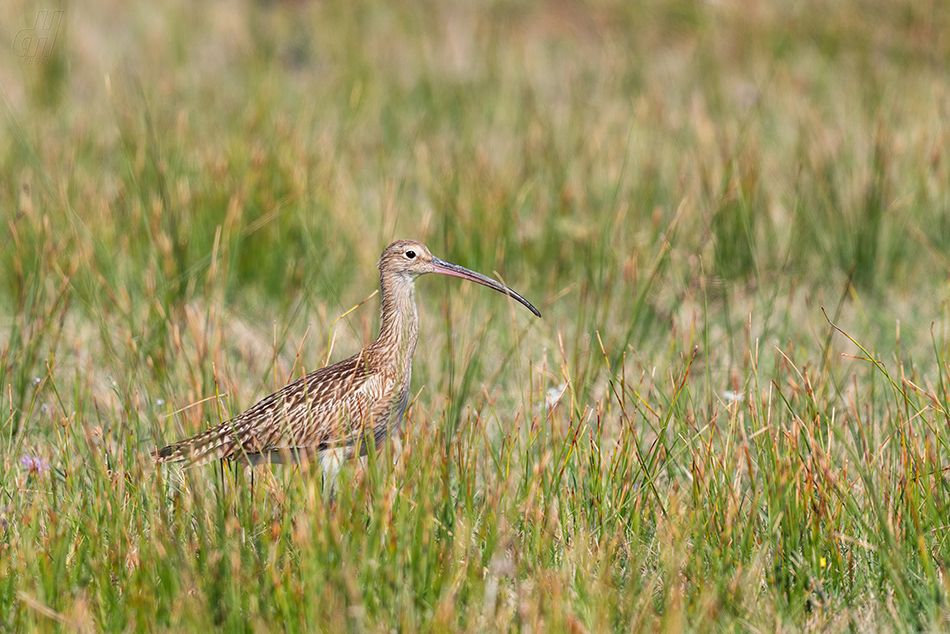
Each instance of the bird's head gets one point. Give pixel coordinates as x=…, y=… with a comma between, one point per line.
x=409, y=259
x=406, y=258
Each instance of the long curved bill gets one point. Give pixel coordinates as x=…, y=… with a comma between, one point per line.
x=447, y=268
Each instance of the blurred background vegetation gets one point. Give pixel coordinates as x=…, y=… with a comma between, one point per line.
x=193, y=194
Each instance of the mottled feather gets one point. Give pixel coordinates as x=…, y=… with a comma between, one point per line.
x=329, y=408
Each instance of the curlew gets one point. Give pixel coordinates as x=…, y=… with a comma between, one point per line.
x=332, y=412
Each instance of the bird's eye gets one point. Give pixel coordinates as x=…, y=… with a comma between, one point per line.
x=410, y=254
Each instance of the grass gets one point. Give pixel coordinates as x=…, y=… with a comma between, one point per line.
x=732, y=215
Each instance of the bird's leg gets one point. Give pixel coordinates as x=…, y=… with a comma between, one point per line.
x=331, y=462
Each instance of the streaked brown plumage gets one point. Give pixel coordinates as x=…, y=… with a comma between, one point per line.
x=334, y=408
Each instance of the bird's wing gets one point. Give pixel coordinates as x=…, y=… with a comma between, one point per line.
x=330, y=407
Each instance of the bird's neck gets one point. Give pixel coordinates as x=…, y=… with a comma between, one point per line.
x=399, y=324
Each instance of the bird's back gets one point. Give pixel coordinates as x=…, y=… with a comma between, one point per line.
x=332, y=408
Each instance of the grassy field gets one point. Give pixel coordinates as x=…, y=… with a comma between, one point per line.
x=734, y=216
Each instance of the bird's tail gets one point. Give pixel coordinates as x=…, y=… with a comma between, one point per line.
x=216, y=443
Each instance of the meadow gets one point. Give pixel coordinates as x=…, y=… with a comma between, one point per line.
x=734, y=217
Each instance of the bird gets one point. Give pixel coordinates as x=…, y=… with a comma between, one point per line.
x=332, y=413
